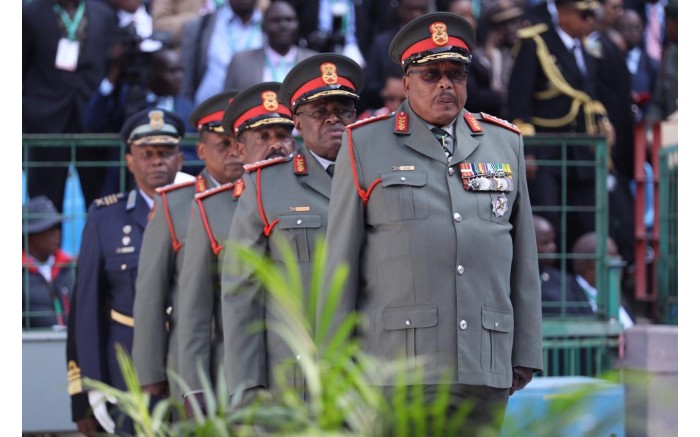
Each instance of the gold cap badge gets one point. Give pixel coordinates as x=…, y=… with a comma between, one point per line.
x=157, y=122
x=269, y=100
x=438, y=31
x=329, y=73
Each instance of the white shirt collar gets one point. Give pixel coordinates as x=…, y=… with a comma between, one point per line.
x=44, y=267
x=141, y=19
x=148, y=200
x=323, y=161
x=275, y=58
x=568, y=41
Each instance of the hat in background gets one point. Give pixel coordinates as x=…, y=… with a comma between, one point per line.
x=257, y=106
x=502, y=11
x=319, y=76
x=209, y=115
x=153, y=127
x=581, y=5
x=438, y=36
x=38, y=215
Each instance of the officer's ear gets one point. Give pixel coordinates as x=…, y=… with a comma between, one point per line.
x=129, y=161
x=297, y=123
x=406, y=84
x=200, y=150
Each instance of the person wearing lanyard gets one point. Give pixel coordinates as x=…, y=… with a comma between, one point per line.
x=278, y=55
x=65, y=45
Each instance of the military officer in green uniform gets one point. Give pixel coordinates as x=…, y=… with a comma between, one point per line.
x=285, y=201
x=430, y=211
x=155, y=323
x=262, y=129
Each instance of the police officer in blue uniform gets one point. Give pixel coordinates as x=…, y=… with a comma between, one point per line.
x=108, y=259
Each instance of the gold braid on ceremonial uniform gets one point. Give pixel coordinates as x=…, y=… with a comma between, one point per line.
x=591, y=107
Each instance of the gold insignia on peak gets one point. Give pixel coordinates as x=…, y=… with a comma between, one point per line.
x=439, y=33
x=157, y=122
x=269, y=100
x=329, y=73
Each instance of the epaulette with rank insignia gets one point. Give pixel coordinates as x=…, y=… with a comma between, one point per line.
x=499, y=121
x=199, y=197
x=529, y=32
x=368, y=120
x=109, y=199
x=212, y=191
x=171, y=187
x=266, y=163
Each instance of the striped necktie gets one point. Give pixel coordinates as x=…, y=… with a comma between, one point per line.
x=444, y=140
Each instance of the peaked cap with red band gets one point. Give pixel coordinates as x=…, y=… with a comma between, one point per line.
x=439, y=36
x=322, y=75
x=209, y=114
x=257, y=106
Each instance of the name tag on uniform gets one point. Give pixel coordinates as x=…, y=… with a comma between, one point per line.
x=67, y=54
x=129, y=249
x=299, y=208
x=486, y=176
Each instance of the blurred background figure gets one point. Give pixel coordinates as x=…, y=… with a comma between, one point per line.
x=392, y=93
x=210, y=41
x=378, y=63
x=339, y=26
x=279, y=53
x=559, y=287
x=492, y=60
x=665, y=99
x=63, y=60
x=643, y=69
x=47, y=274
x=585, y=273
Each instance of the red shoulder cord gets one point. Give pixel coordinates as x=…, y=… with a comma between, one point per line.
x=268, y=226
x=364, y=195
x=176, y=243
x=215, y=246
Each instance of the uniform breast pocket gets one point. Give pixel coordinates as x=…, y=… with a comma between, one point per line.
x=494, y=206
x=405, y=195
x=300, y=230
x=496, y=339
x=409, y=333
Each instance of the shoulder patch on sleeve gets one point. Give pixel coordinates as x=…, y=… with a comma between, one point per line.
x=172, y=187
x=211, y=191
x=109, y=199
x=499, y=121
x=265, y=163
x=529, y=32
x=368, y=120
